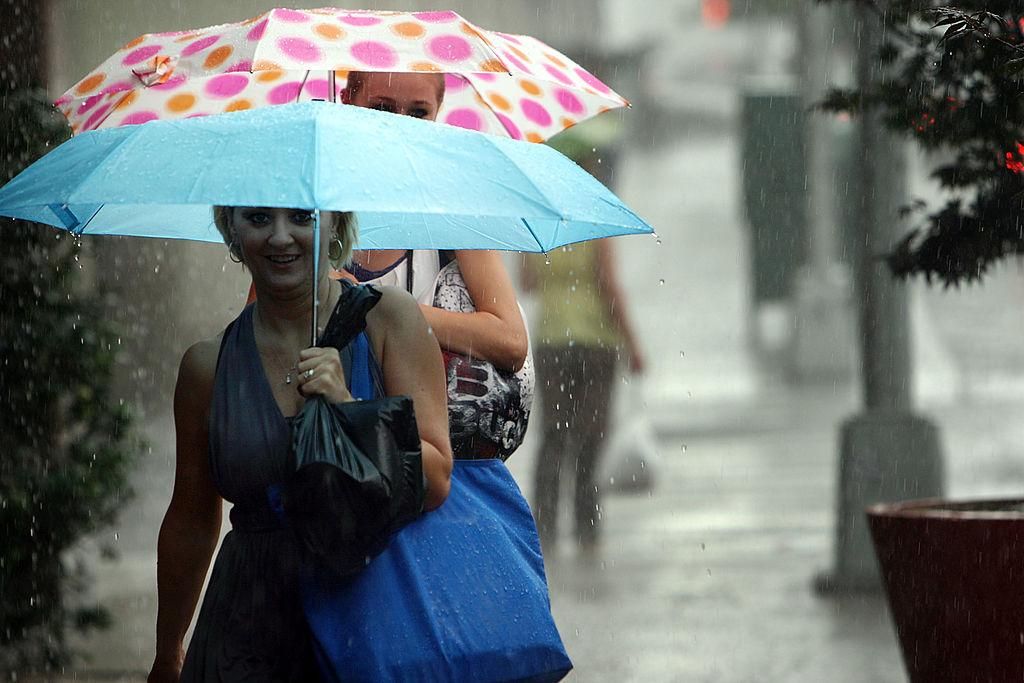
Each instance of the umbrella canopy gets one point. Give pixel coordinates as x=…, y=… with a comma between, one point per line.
x=412, y=183
x=498, y=83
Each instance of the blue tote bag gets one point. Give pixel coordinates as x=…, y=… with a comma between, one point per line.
x=458, y=595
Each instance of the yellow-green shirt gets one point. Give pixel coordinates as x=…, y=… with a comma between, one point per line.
x=571, y=309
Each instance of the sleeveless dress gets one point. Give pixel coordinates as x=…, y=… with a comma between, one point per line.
x=251, y=626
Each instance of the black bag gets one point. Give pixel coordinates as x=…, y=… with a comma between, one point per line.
x=358, y=471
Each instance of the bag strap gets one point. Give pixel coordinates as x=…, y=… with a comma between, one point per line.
x=408, y=271
x=361, y=382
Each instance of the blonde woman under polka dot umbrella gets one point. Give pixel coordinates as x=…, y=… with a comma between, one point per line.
x=497, y=83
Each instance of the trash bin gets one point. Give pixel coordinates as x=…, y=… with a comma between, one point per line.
x=774, y=185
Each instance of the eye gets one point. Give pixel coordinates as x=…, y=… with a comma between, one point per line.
x=256, y=217
x=302, y=217
x=419, y=113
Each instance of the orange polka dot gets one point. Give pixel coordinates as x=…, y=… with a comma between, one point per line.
x=132, y=43
x=90, y=83
x=238, y=105
x=530, y=87
x=329, y=31
x=408, y=29
x=218, y=56
x=185, y=38
x=424, y=66
x=519, y=53
x=534, y=137
x=568, y=123
x=555, y=60
x=264, y=65
x=341, y=74
x=493, y=65
x=269, y=76
x=127, y=100
x=469, y=30
x=181, y=102
x=500, y=102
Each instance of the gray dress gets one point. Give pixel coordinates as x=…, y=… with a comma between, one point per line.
x=250, y=626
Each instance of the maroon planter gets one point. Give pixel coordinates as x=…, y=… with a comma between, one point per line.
x=954, y=575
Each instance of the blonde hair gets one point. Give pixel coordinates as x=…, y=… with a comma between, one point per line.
x=345, y=227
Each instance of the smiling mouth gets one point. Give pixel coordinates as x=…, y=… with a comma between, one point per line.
x=282, y=260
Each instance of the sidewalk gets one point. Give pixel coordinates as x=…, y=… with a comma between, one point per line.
x=710, y=577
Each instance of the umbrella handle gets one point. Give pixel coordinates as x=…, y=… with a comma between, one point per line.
x=316, y=274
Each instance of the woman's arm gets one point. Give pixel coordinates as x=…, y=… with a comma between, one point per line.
x=412, y=366
x=615, y=300
x=191, y=527
x=496, y=332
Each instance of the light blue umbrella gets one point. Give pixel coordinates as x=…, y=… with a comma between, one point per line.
x=413, y=184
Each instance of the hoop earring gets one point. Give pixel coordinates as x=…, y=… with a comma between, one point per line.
x=335, y=254
x=232, y=255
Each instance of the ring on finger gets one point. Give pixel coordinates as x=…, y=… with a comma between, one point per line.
x=309, y=373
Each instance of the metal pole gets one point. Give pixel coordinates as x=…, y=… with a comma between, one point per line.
x=881, y=164
x=887, y=453
x=316, y=273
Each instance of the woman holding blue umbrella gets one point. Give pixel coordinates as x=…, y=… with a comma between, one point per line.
x=233, y=403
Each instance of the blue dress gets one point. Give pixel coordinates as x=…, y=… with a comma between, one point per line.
x=250, y=626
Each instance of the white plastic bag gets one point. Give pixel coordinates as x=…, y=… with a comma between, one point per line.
x=630, y=463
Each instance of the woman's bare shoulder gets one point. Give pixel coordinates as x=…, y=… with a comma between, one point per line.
x=199, y=363
x=395, y=306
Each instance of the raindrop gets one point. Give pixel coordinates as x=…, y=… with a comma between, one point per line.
x=682, y=448
x=661, y=281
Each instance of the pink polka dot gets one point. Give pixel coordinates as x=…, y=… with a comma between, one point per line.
x=465, y=118
x=454, y=83
x=569, y=102
x=483, y=76
x=299, y=49
x=97, y=117
x=535, y=112
x=171, y=83
x=141, y=55
x=197, y=115
x=436, y=17
x=290, y=15
x=319, y=89
x=359, y=19
x=257, y=31
x=199, y=45
x=514, y=61
x=376, y=54
x=558, y=74
x=510, y=126
x=591, y=80
x=89, y=103
x=449, y=48
x=509, y=37
x=62, y=100
x=226, y=85
x=244, y=65
x=284, y=93
x=118, y=87
x=139, y=117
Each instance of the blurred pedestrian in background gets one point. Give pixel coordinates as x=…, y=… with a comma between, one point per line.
x=581, y=331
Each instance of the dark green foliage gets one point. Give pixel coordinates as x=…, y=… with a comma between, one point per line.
x=953, y=83
x=65, y=449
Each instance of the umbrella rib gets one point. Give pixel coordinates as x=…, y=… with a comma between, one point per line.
x=528, y=179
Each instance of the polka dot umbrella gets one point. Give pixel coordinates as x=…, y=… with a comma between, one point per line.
x=497, y=83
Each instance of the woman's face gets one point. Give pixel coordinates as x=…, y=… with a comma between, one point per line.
x=277, y=244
